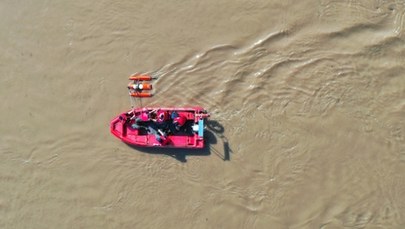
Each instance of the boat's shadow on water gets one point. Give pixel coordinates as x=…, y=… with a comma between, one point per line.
x=214, y=138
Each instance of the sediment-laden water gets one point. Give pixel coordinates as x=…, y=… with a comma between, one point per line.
x=307, y=103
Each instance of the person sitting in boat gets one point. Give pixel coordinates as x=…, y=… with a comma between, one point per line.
x=143, y=119
x=160, y=135
x=162, y=122
x=163, y=118
x=177, y=123
x=146, y=116
x=126, y=118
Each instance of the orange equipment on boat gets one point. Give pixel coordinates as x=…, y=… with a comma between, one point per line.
x=140, y=77
x=140, y=86
x=140, y=94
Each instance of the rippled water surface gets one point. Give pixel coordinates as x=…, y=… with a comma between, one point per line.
x=307, y=102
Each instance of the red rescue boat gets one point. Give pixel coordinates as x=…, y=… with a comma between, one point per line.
x=161, y=127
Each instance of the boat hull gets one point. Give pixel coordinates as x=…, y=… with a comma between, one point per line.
x=131, y=128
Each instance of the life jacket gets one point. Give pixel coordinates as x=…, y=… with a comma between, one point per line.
x=163, y=116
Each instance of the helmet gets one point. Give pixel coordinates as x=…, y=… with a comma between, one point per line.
x=180, y=120
x=144, y=117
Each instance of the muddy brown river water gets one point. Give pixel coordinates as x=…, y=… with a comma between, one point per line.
x=307, y=102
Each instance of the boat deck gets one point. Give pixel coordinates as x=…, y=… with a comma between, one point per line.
x=123, y=128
